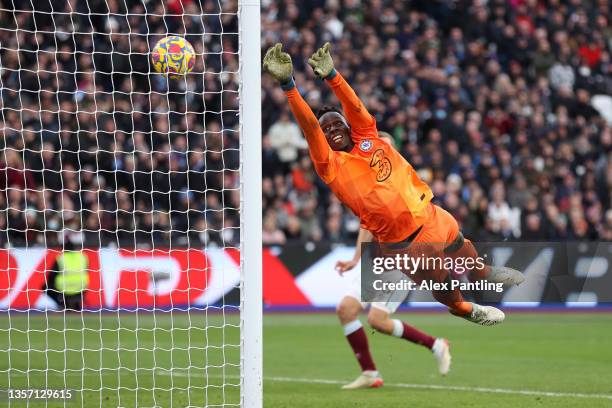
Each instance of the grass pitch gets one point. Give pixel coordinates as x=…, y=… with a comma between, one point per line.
x=192, y=359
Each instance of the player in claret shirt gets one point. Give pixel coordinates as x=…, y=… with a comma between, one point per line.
x=370, y=177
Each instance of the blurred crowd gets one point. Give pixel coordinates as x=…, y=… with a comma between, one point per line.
x=93, y=141
x=500, y=106
x=503, y=106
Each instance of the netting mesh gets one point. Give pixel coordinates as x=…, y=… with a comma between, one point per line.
x=138, y=175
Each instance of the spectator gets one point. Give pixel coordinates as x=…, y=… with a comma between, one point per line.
x=286, y=138
x=271, y=234
x=502, y=216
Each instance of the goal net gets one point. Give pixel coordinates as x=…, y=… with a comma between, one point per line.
x=130, y=209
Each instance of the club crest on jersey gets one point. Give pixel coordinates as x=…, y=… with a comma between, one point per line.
x=365, y=145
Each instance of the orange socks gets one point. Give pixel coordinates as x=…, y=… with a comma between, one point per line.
x=461, y=308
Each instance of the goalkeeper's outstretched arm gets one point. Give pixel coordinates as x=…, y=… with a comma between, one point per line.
x=279, y=65
x=355, y=111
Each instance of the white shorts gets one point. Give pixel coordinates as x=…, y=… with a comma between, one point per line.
x=388, y=301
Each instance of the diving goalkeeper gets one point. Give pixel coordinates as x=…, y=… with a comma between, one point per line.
x=379, y=185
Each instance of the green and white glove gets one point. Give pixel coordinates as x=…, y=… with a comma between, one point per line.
x=278, y=64
x=322, y=62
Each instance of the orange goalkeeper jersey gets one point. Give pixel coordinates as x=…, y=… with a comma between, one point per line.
x=373, y=179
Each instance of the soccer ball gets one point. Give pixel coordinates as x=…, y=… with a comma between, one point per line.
x=173, y=56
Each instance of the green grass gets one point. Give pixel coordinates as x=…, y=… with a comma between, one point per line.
x=558, y=353
x=165, y=359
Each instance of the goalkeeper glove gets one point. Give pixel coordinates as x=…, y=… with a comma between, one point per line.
x=322, y=62
x=278, y=64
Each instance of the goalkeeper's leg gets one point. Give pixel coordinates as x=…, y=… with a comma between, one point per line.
x=439, y=237
x=464, y=248
x=457, y=305
x=443, y=228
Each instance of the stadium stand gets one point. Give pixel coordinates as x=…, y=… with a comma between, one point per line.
x=514, y=150
x=92, y=140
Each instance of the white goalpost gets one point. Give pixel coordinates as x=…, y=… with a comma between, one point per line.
x=130, y=205
x=251, y=266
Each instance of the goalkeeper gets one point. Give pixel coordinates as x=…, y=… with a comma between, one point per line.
x=379, y=318
x=379, y=185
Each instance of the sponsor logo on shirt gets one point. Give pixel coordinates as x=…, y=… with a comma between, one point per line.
x=365, y=145
x=381, y=164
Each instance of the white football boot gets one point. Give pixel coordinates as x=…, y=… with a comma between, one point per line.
x=367, y=379
x=441, y=352
x=505, y=275
x=484, y=315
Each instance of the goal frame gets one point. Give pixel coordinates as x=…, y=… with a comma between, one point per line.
x=251, y=270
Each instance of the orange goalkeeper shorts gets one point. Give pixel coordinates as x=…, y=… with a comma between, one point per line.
x=438, y=233
x=441, y=228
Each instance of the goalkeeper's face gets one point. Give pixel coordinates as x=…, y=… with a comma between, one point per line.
x=336, y=130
